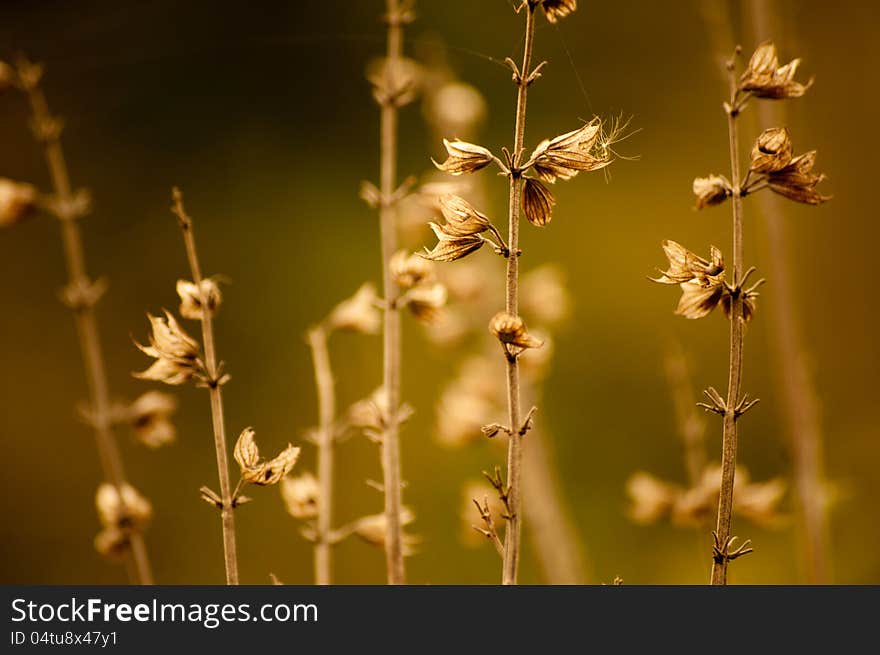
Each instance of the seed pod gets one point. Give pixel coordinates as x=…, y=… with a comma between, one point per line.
x=772, y=151
x=191, y=298
x=566, y=155
x=764, y=78
x=511, y=330
x=464, y=157
x=712, y=190
x=537, y=202
x=260, y=472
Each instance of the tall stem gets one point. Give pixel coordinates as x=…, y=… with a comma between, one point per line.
x=512, y=537
x=800, y=399
x=84, y=314
x=216, y=394
x=729, y=439
x=326, y=413
x=391, y=337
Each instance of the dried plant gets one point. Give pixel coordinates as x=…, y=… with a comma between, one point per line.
x=123, y=536
x=705, y=284
x=559, y=158
x=179, y=358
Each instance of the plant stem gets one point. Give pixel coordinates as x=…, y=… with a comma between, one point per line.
x=391, y=331
x=86, y=321
x=691, y=427
x=729, y=438
x=216, y=394
x=326, y=412
x=513, y=534
x=800, y=399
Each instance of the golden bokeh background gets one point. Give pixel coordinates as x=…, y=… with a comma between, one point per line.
x=263, y=116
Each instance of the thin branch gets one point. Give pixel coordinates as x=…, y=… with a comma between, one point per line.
x=215, y=384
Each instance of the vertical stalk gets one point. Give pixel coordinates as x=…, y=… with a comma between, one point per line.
x=214, y=388
x=48, y=131
x=800, y=406
x=729, y=438
x=513, y=534
x=391, y=330
x=326, y=412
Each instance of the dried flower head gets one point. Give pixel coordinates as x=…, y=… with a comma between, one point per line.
x=772, y=151
x=511, y=330
x=537, y=202
x=149, y=416
x=424, y=301
x=409, y=269
x=450, y=249
x=685, y=266
x=651, y=499
x=566, y=155
x=712, y=190
x=374, y=529
x=255, y=470
x=176, y=353
x=130, y=512
x=17, y=201
x=358, y=313
x=556, y=9
x=461, y=218
x=192, y=298
x=764, y=78
x=797, y=181
x=464, y=157
x=300, y=495
x=370, y=415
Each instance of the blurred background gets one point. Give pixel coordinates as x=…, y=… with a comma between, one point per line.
x=263, y=116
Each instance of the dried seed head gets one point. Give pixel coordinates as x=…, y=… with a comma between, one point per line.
x=464, y=157
x=698, y=299
x=131, y=512
x=409, y=269
x=797, y=181
x=395, y=81
x=374, y=529
x=461, y=218
x=176, y=353
x=301, y=495
x=426, y=300
x=149, y=418
x=449, y=249
x=764, y=78
x=652, y=499
x=537, y=202
x=685, y=266
x=455, y=108
x=260, y=472
x=544, y=296
x=566, y=155
x=511, y=330
x=712, y=190
x=7, y=76
x=191, y=298
x=556, y=9
x=17, y=201
x=772, y=151
x=748, y=307
x=358, y=313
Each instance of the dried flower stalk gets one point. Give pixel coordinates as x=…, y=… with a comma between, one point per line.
x=81, y=295
x=214, y=381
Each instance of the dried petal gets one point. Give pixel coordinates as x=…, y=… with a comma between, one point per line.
x=712, y=190
x=537, y=202
x=511, y=330
x=192, y=299
x=464, y=157
x=301, y=495
x=358, y=313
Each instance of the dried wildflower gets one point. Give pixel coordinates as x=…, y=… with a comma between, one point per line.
x=511, y=330
x=358, y=313
x=149, y=418
x=652, y=498
x=17, y=201
x=797, y=181
x=461, y=218
x=764, y=78
x=537, y=202
x=191, y=298
x=449, y=249
x=685, y=266
x=300, y=495
x=374, y=528
x=425, y=301
x=556, y=9
x=395, y=81
x=7, y=76
x=176, y=353
x=566, y=155
x=464, y=157
x=712, y=190
x=772, y=151
x=409, y=269
x=260, y=472
x=544, y=296
x=132, y=512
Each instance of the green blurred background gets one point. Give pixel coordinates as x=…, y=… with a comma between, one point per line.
x=262, y=114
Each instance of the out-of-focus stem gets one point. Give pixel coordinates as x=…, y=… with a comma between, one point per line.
x=48, y=131
x=691, y=426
